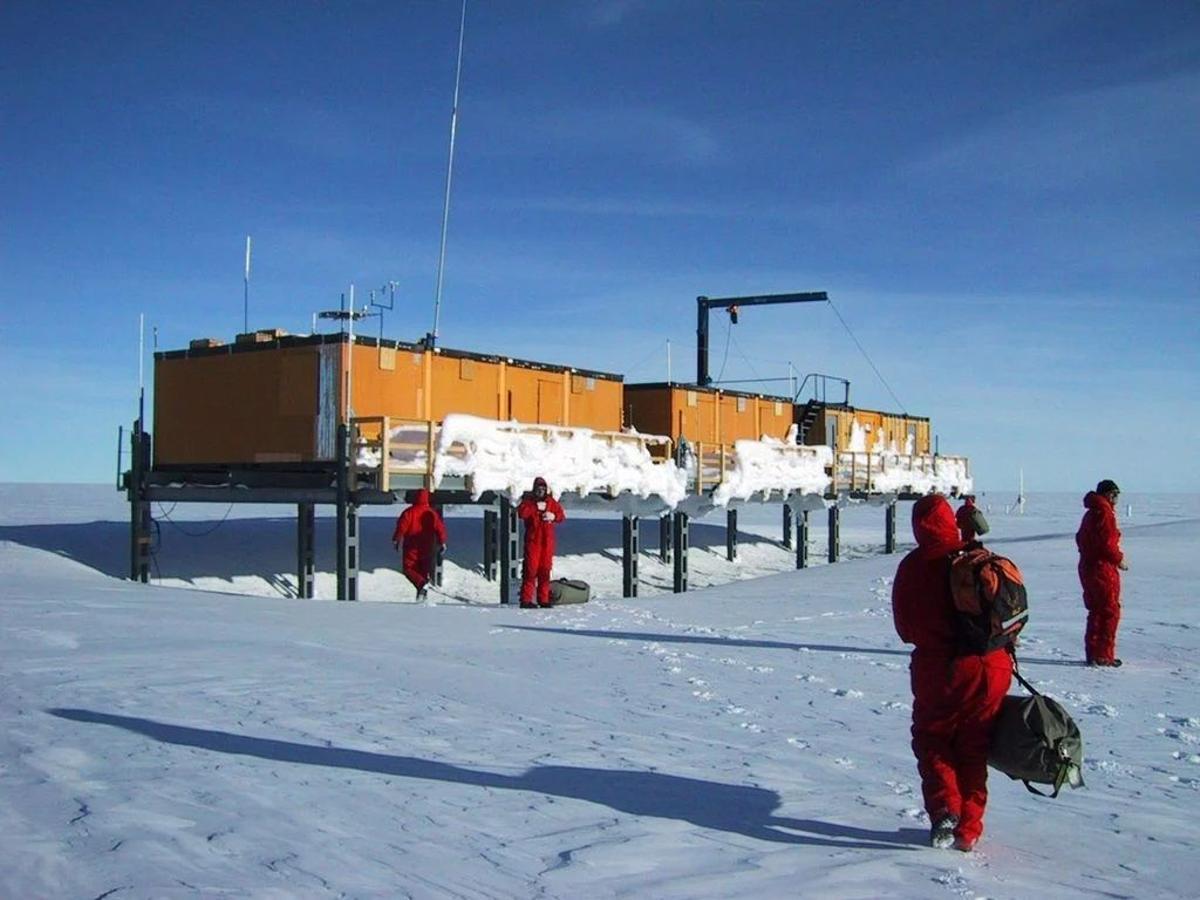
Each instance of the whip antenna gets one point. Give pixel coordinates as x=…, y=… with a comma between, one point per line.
x=437, y=303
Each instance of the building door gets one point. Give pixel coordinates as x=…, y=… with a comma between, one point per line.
x=549, y=411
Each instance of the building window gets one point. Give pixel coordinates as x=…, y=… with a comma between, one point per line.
x=691, y=398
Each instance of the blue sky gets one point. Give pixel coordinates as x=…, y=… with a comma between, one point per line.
x=1001, y=198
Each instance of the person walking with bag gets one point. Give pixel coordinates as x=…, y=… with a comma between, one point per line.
x=541, y=513
x=1101, y=562
x=956, y=693
x=970, y=519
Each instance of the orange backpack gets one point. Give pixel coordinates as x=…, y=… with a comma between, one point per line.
x=989, y=596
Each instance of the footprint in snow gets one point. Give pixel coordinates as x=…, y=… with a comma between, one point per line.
x=1103, y=709
x=798, y=743
x=816, y=679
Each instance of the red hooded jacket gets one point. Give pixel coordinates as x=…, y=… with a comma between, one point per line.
x=1098, y=538
x=922, y=607
x=539, y=534
x=419, y=527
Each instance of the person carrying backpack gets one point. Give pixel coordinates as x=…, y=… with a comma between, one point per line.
x=1100, y=564
x=419, y=531
x=956, y=692
x=969, y=517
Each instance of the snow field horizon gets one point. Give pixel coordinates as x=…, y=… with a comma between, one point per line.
x=735, y=741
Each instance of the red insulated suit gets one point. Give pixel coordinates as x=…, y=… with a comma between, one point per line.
x=419, y=530
x=1099, y=543
x=956, y=695
x=539, y=543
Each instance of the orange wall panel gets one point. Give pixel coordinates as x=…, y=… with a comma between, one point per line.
x=257, y=406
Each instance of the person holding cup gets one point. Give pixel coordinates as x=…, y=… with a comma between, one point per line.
x=541, y=513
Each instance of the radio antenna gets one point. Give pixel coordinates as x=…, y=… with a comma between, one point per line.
x=437, y=303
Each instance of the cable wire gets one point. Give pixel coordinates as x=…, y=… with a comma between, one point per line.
x=728, y=335
x=166, y=515
x=867, y=356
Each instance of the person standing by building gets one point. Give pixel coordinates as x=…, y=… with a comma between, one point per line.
x=1101, y=562
x=956, y=693
x=970, y=519
x=418, y=534
x=541, y=513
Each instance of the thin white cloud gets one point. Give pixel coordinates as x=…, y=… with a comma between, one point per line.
x=1123, y=133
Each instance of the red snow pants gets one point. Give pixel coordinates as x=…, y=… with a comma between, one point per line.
x=1101, y=583
x=416, y=565
x=955, y=702
x=536, y=574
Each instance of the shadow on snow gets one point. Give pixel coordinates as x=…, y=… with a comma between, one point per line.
x=750, y=643
x=738, y=809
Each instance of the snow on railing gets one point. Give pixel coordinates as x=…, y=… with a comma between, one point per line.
x=506, y=456
x=763, y=466
x=890, y=472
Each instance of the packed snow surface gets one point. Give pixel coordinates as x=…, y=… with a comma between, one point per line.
x=747, y=739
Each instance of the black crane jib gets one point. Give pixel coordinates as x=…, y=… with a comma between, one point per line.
x=704, y=304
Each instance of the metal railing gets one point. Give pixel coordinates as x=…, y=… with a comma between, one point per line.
x=410, y=447
x=855, y=470
x=820, y=388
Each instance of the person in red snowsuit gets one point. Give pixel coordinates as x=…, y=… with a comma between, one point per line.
x=969, y=517
x=956, y=694
x=1100, y=565
x=541, y=513
x=419, y=531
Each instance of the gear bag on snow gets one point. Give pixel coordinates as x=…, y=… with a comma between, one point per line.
x=1036, y=740
x=989, y=596
x=568, y=590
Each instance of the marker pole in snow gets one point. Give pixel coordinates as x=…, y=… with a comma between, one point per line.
x=889, y=528
x=835, y=532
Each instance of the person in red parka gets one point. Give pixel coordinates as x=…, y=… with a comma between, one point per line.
x=541, y=513
x=419, y=532
x=970, y=519
x=956, y=694
x=1100, y=565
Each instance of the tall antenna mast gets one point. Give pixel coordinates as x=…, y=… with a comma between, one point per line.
x=437, y=303
x=246, y=290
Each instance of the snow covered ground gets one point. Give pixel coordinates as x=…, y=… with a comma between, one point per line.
x=749, y=739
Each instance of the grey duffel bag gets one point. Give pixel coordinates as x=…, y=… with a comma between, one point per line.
x=569, y=590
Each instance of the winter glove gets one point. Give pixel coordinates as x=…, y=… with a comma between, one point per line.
x=547, y=516
x=1123, y=566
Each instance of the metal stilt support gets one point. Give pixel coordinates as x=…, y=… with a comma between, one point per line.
x=889, y=528
x=510, y=549
x=306, y=558
x=788, y=518
x=629, y=556
x=491, y=538
x=731, y=550
x=680, y=548
x=802, y=539
x=347, y=522
x=439, y=558
x=835, y=532
x=139, y=507
x=664, y=538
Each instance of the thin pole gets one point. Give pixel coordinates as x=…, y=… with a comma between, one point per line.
x=437, y=304
x=668, y=360
x=350, y=357
x=141, y=373
x=246, y=290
